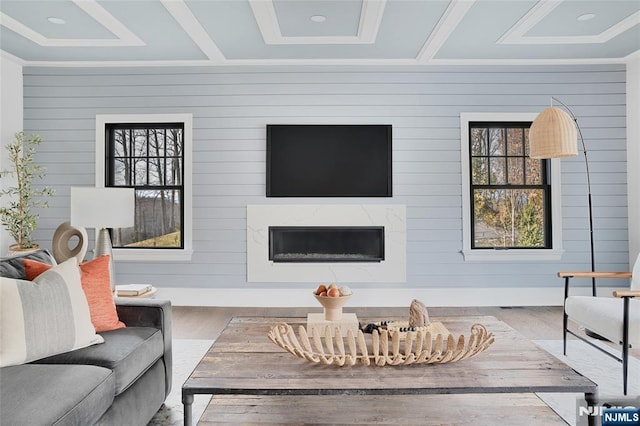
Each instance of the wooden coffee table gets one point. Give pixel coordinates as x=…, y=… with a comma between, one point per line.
x=242, y=361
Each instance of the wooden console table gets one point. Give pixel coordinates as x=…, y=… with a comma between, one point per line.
x=242, y=361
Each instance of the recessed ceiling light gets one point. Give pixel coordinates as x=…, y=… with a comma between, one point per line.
x=57, y=21
x=318, y=18
x=586, y=17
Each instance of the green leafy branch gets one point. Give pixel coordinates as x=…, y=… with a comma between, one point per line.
x=17, y=216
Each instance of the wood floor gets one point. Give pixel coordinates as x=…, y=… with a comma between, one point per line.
x=538, y=322
x=533, y=322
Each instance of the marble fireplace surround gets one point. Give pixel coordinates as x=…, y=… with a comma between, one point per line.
x=391, y=216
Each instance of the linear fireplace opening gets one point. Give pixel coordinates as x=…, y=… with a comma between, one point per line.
x=326, y=243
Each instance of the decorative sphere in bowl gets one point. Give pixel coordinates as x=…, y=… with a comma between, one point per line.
x=332, y=304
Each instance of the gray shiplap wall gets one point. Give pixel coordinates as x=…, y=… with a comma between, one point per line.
x=231, y=107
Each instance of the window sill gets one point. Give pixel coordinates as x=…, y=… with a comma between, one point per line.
x=152, y=255
x=511, y=255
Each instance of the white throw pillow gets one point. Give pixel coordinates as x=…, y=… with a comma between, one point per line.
x=44, y=317
x=635, y=275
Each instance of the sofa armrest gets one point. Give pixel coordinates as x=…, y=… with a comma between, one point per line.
x=137, y=312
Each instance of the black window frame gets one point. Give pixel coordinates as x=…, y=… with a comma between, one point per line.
x=109, y=177
x=545, y=185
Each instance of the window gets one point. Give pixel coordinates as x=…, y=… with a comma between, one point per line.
x=150, y=153
x=510, y=203
x=509, y=190
x=148, y=158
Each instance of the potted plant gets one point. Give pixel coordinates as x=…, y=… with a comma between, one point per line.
x=16, y=213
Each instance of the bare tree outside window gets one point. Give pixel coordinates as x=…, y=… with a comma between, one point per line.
x=150, y=159
x=510, y=194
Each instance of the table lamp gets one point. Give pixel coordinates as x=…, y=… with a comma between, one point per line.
x=103, y=208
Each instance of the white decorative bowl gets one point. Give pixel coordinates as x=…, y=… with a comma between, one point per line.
x=332, y=306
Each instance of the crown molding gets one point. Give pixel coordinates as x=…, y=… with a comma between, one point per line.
x=9, y=57
x=632, y=57
x=321, y=62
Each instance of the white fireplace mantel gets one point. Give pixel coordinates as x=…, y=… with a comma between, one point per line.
x=391, y=216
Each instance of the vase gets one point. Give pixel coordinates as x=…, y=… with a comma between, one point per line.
x=15, y=250
x=332, y=306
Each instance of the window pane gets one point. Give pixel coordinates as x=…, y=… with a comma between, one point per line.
x=497, y=171
x=157, y=142
x=479, y=141
x=174, y=143
x=497, y=142
x=140, y=142
x=140, y=175
x=120, y=143
x=174, y=171
x=516, y=172
x=534, y=171
x=156, y=171
x=120, y=172
x=510, y=218
x=157, y=221
x=479, y=171
x=515, y=142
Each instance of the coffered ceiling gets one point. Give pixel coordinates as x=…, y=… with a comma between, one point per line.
x=394, y=32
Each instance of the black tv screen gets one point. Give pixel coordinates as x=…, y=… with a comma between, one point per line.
x=328, y=160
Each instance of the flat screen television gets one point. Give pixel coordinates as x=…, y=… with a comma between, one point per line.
x=305, y=160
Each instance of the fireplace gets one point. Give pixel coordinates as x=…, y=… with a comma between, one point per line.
x=383, y=227
x=326, y=243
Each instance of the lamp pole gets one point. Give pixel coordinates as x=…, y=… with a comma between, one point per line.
x=586, y=163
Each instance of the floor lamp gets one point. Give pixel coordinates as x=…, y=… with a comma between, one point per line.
x=103, y=208
x=554, y=134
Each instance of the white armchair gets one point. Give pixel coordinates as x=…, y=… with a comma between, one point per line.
x=616, y=318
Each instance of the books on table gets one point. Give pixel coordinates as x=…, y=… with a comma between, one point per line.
x=133, y=289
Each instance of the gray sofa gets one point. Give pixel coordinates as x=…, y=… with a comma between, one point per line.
x=123, y=381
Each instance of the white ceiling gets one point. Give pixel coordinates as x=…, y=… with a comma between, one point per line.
x=394, y=32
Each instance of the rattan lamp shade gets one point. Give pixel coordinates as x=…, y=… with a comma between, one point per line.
x=553, y=134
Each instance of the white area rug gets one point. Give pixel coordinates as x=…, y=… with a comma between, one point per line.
x=598, y=367
x=186, y=355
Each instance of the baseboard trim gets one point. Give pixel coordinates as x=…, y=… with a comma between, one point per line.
x=546, y=296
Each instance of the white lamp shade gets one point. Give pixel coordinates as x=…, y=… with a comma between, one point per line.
x=102, y=207
x=553, y=134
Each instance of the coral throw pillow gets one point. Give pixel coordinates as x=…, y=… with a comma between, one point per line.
x=96, y=285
